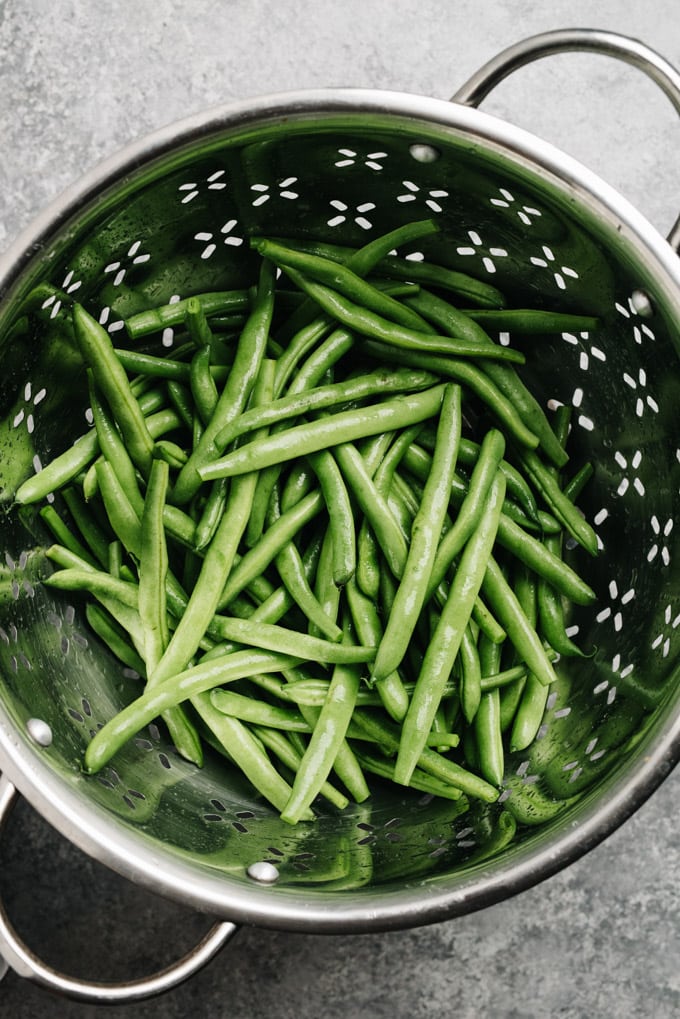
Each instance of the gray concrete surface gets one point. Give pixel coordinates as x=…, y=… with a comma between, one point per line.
x=77, y=81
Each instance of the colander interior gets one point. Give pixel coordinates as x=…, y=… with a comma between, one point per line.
x=174, y=220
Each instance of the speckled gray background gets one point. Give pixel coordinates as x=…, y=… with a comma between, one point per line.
x=77, y=81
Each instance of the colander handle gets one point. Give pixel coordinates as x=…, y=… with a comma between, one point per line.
x=612, y=44
x=16, y=955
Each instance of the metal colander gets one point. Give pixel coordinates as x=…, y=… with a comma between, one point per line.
x=171, y=216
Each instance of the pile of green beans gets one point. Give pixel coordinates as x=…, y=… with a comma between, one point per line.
x=326, y=530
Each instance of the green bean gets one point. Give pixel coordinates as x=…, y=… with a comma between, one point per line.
x=180, y=398
x=303, y=341
x=60, y=471
x=487, y=624
x=467, y=374
x=420, y=780
x=209, y=585
x=471, y=675
x=366, y=620
x=111, y=444
x=203, y=388
x=61, y=531
x=443, y=315
x=442, y=768
x=368, y=323
x=211, y=515
x=153, y=578
x=529, y=321
x=443, y=648
x=97, y=351
x=505, y=606
x=529, y=714
x=310, y=437
x=522, y=545
x=176, y=689
x=340, y=516
x=65, y=467
x=123, y=518
x=472, y=506
x=114, y=636
x=338, y=277
x=325, y=742
x=441, y=277
x=326, y=591
x=247, y=709
x=96, y=582
x=360, y=260
x=487, y=720
x=151, y=364
x=245, y=750
x=300, y=481
x=196, y=321
x=516, y=485
x=291, y=571
x=169, y=451
x=374, y=506
x=374, y=383
x=280, y=639
x=289, y=756
x=559, y=503
x=155, y=319
x=93, y=535
x=153, y=567
x=368, y=560
x=127, y=617
x=261, y=555
x=114, y=559
x=321, y=360
x=525, y=586
x=311, y=692
x=233, y=398
x=425, y=536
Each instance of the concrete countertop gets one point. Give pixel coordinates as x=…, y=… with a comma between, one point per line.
x=77, y=81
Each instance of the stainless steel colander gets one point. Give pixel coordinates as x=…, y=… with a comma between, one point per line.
x=169, y=217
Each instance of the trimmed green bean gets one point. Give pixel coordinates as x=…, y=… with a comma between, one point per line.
x=280, y=639
x=442, y=768
x=282, y=748
x=391, y=692
x=156, y=319
x=444, y=316
x=98, y=353
x=258, y=712
x=202, y=384
x=368, y=323
x=470, y=675
x=114, y=636
x=340, y=516
x=310, y=437
x=467, y=374
x=530, y=321
x=234, y=396
x=377, y=383
x=506, y=608
x=425, y=536
x=178, y=688
x=445, y=643
x=338, y=277
x=65, y=536
x=325, y=742
x=252, y=564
